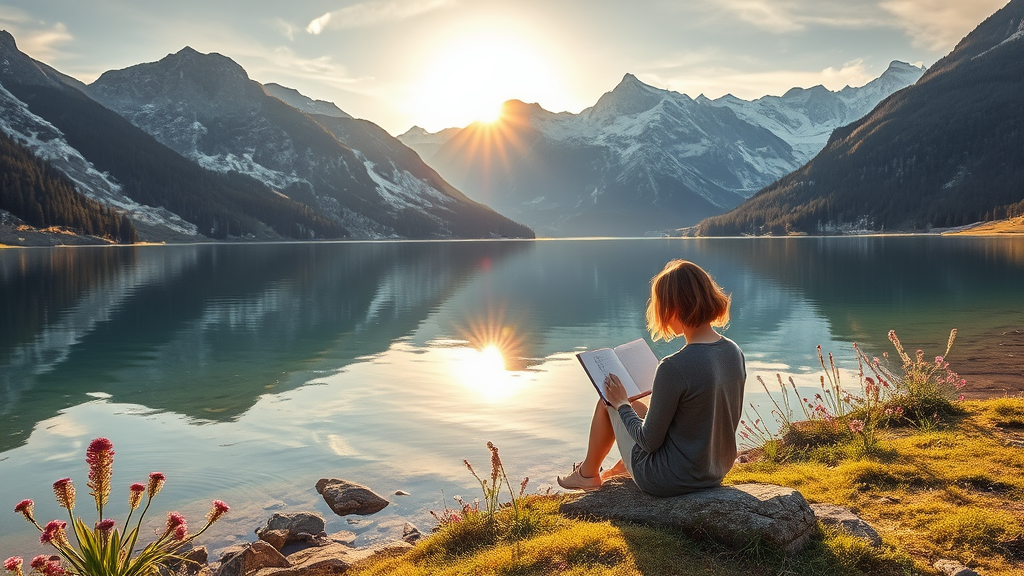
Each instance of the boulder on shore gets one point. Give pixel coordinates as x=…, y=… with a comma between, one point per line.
x=282, y=529
x=734, y=516
x=847, y=521
x=250, y=558
x=346, y=497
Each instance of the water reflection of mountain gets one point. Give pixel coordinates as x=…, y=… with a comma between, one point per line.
x=920, y=286
x=205, y=330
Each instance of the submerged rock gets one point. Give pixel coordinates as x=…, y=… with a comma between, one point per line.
x=346, y=497
x=731, y=515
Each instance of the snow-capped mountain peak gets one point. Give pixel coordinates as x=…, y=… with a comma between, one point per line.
x=629, y=97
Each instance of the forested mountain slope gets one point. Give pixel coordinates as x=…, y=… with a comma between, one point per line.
x=946, y=151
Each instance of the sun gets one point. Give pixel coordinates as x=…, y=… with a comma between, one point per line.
x=468, y=79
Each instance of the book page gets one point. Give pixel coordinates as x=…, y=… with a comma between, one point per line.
x=638, y=358
x=600, y=363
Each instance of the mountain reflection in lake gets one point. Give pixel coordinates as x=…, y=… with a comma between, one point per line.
x=247, y=372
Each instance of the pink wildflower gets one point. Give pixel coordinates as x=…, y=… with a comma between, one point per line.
x=55, y=534
x=135, y=492
x=219, y=509
x=100, y=458
x=898, y=410
x=64, y=491
x=13, y=564
x=53, y=568
x=25, y=509
x=522, y=486
x=857, y=426
x=960, y=397
x=174, y=519
x=495, y=461
x=181, y=532
x=156, y=482
x=39, y=561
x=938, y=360
x=105, y=525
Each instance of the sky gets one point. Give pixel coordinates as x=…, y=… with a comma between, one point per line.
x=443, y=63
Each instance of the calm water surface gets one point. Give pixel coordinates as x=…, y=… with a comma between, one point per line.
x=247, y=372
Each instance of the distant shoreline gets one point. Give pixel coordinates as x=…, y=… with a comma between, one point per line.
x=36, y=238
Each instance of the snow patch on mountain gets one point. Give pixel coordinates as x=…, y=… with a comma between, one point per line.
x=245, y=164
x=48, y=143
x=403, y=190
x=805, y=118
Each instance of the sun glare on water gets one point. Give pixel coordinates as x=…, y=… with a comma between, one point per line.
x=483, y=371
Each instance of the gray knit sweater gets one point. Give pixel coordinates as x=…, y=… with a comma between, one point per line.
x=688, y=439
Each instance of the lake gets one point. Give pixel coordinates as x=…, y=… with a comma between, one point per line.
x=246, y=372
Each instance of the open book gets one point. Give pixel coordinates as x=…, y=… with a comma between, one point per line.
x=633, y=362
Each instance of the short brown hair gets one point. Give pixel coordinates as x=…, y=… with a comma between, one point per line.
x=685, y=291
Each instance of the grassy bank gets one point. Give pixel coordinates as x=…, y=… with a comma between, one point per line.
x=952, y=489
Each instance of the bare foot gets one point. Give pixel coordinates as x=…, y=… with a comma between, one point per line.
x=619, y=469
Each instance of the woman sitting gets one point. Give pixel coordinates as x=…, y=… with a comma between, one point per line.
x=686, y=439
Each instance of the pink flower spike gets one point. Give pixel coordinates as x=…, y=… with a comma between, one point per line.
x=938, y=360
x=53, y=568
x=174, y=519
x=39, y=561
x=13, y=564
x=64, y=491
x=100, y=458
x=219, y=509
x=181, y=532
x=105, y=525
x=156, y=482
x=54, y=534
x=25, y=508
x=135, y=492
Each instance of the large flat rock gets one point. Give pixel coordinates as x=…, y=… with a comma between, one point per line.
x=733, y=516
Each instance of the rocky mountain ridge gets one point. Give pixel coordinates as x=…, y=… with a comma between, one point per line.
x=642, y=160
x=947, y=151
x=206, y=108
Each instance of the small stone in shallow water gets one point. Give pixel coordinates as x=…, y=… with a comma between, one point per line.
x=401, y=493
x=346, y=497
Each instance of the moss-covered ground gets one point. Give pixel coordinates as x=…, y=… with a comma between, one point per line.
x=953, y=490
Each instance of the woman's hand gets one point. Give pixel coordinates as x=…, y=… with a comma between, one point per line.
x=615, y=392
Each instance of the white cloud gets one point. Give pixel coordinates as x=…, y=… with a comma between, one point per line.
x=375, y=12
x=316, y=25
x=939, y=24
x=786, y=16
